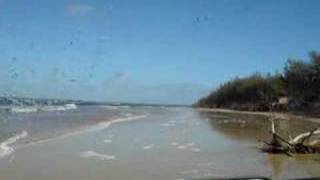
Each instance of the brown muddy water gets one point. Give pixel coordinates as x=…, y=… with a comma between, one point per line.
x=157, y=143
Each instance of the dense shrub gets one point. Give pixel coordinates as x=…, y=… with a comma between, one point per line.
x=300, y=82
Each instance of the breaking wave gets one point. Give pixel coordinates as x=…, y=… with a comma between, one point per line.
x=23, y=109
x=49, y=108
x=5, y=147
x=58, y=108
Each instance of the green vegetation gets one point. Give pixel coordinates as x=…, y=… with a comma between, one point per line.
x=299, y=84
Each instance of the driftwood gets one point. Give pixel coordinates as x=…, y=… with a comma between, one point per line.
x=304, y=136
x=300, y=144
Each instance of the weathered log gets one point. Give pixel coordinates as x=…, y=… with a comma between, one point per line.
x=295, y=145
x=275, y=145
x=304, y=136
x=315, y=142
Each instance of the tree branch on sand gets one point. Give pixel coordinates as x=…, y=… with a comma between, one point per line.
x=301, y=144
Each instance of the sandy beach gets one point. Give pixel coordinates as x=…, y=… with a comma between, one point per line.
x=152, y=143
x=278, y=115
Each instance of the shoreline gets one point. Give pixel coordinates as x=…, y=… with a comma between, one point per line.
x=278, y=115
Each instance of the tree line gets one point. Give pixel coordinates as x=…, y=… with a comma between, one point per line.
x=299, y=83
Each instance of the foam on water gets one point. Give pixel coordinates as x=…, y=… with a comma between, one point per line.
x=182, y=147
x=58, y=108
x=92, y=154
x=105, y=125
x=23, y=109
x=47, y=108
x=188, y=146
x=150, y=146
x=99, y=126
x=107, y=141
x=169, y=124
x=6, y=149
x=110, y=107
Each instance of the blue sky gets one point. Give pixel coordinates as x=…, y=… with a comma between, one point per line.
x=155, y=51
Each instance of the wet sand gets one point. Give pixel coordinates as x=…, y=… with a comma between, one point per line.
x=279, y=115
x=169, y=143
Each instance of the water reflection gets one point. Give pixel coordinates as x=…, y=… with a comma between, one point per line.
x=276, y=163
x=246, y=130
x=254, y=127
x=238, y=126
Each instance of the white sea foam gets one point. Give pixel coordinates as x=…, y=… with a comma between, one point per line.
x=188, y=146
x=150, y=146
x=105, y=125
x=110, y=107
x=71, y=106
x=107, y=141
x=169, y=124
x=103, y=157
x=47, y=108
x=98, y=127
x=182, y=147
x=6, y=149
x=58, y=108
x=23, y=109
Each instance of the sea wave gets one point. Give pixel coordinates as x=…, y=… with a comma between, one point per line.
x=103, y=157
x=104, y=125
x=115, y=107
x=110, y=107
x=23, y=109
x=5, y=147
x=58, y=108
x=99, y=126
x=47, y=108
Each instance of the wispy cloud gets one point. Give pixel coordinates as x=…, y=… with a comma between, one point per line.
x=80, y=8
